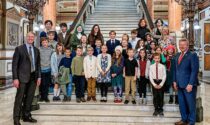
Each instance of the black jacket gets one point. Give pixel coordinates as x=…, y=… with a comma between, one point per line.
x=141, y=32
x=21, y=64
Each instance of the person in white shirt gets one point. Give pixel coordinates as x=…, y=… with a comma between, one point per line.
x=134, y=38
x=157, y=76
x=90, y=71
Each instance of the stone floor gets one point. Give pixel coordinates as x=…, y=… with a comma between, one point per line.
x=7, y=99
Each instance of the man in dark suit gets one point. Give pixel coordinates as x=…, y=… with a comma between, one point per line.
x=26, y=76
x=112, y=43
x=64, y=36
x=186, y=81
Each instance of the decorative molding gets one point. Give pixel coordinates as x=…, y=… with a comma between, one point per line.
x=12, y=13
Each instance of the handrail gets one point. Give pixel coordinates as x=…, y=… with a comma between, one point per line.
x=146, y=13
x=79, y=15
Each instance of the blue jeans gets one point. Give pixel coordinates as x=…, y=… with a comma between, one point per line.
x=69, y=87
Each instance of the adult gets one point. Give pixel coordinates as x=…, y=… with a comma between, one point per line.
x=26, y=76
x=48, y=27
x=186, y=81
x=165, y=39
x=157, y=31
x=64, y=36
x=142, y=29
x=95, y=34
x=76, y=36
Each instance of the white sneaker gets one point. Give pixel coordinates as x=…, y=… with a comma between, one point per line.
x=144, y=101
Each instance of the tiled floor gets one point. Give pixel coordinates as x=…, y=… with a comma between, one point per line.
x=7, y=99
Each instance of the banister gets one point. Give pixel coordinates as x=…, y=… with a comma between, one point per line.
x=79, y=15
x=146, y=14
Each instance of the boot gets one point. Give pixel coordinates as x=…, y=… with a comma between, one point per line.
x=176, y=100
x=171, y=100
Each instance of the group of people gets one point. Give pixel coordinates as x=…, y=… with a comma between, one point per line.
x=145, y=62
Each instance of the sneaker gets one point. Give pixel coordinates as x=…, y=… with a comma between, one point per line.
x=134, y=102
x=94, y=98
x=83, y=99
x=155, y=113
x=102, y=99
x=88, y=98
x=144, y=101
x=161, y=114
x=69, y=99
x=115, y=100
x=126, y=102
x=65, y=99
x=58, y=98
x=47, y=100
x=78, y=100
x=105, y=99
x=140, y=100
x=120, y=100
x=54, y=98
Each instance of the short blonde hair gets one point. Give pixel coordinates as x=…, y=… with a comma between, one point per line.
x=184, y=40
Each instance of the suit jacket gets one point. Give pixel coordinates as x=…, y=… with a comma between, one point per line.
x=187, y=71
x=66, y=41
x=21, y=64
x=111, y=46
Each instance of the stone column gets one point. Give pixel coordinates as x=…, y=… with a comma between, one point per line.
x=49, y=12
x=174, y=20
x=150, y=6
x=174, y=15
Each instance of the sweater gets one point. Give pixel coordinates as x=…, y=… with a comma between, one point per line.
x=77, y=66
x=66, y=62
x=45, y=55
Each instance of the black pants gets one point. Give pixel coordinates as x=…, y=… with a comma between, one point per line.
x=104, y=89
x=24, y=98
x=80, y=86
x=142, y=86
x=158, y=97
x=45, y=84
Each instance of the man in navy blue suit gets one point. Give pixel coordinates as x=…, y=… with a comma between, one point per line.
x=112, y=43
x=186, y=82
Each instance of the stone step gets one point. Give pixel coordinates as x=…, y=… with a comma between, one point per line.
x=110, y=23
x=111, y=28
x=115, y=11
x=103, y=116
x=105, y=3
x=109, y=105
x=99, y=8
x=114, y=7
x=114, y=18
x=116, y=15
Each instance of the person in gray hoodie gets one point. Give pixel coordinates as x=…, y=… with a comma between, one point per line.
x=45, y=55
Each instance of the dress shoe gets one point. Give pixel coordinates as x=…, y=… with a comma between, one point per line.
x=180, y=123
x=94, y=98
x=88, y=98
x=30, y=119
x=17, y=122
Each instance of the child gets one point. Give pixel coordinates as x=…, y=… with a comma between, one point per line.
x=143, y=75
x=134, y=38
x=112, y=43
x=97, y=49
x=126, y=38
x=55, y=60
x=45, y=55
x=90, y=71
x=130, y=73
x=117, y=74
x=83, y=43
x=170, y=69
x=52, y=42
x=64, y=37
x=78, y=73
x=149, y=39
x=66, y=62
x=157, y=76
x=151, y=50
x=104, y=77
x=125, y=47
x=158, y=50
x=140, y=45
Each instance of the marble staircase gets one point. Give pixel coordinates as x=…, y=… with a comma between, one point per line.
x=118, y=15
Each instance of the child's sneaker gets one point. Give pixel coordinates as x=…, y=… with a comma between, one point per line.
x=88, y=98
x=69, y=99
x=144, y=101
x=65, y=99
x=126, y=102
x=78, y=100
x=140, y=100
x=94, y=98
x=54, y=98
x=83, y=99
x=161, y=114
x=115, y=100
x=105, y=99
x=58, y=98
x=155, y=113
x=134, y=102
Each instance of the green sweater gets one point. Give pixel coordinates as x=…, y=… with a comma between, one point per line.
x=77, y=66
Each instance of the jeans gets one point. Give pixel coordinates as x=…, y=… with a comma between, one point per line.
x=80, y=86
x=45, y=83
x=69, y=87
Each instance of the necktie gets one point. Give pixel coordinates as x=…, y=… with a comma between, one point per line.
x=157, y=71
x=112, y=42
x=31, y=59
x=180, y=58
